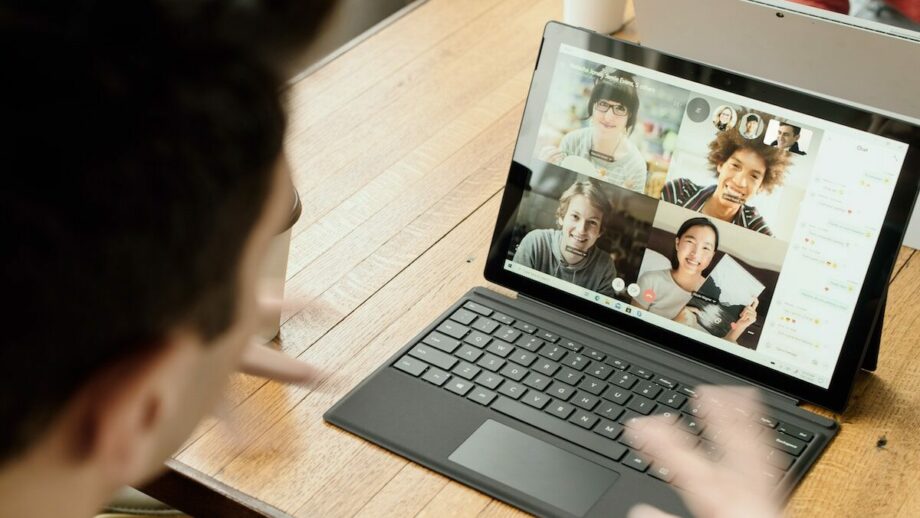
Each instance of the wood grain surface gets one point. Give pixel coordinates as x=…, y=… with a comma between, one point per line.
x=400, y=149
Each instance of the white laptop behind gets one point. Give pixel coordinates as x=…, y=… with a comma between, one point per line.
x=843, y=57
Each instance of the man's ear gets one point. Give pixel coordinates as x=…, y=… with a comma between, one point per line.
x=121, y=412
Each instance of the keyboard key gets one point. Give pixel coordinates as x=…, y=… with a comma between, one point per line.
x=780, y=459
x=767, y=421
x=481, y=396
x=616, y=362
x=537, y=381
x=585, y=400
x=570, y=376
x=666, y=414
x=524, y=326
x=672, y=399
x=512, y=389
x=466, y=370
x=514, y=372
x=436, y=376
x=663, y=473
x=553, y=352
x=636, y=462
x=576, y=361
x=641, y=405
x=599, y=370
x=485, y=325
x=690, y=424
x=478, y=308
x=464, y=316
x=561, y=391
x=609, y=429
x=771, y=474
x=584, y=419
x=500, y=348
x=453, y=329
x=592, y=385
x=468, y=353
x=491, y=362
x=477, y=339
x=560, y=409
x=632, y=439
x=665, y=382
x=562, y=429
x=444, y=343
x=710, y=450
x=647, y=389
x=410, y=365
x=688, y=440
x=623, y=379
x=796, y=432
x=546, y=335
x=687, y=391
x=524, y=358
x=433, y=356
x=609, y=410
x=489, y=380
x=787, y=443
x=535, y=399
x=617, y=395
x=642, y=373
x=504, y=319
x=697, y=408
x=546, y=367
x=632, y=419
x=507, y=334
x=459, y=386
x=531, y=343
x=594, y=355
x=570, y=345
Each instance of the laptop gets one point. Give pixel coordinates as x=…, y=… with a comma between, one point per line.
x=636, y=282
x=792, y=41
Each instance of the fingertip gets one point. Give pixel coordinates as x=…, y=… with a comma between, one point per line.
x=647, y=511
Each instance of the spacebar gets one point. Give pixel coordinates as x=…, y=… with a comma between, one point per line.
x=561, y=429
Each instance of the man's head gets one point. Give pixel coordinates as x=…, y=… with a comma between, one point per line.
x=787, y=135
x=745, y=167
x=143, y=150
x=583, y=214
x=750, y=124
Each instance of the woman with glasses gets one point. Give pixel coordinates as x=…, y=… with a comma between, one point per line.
x=612, y=111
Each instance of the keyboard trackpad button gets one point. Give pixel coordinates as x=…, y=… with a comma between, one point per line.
x=534, y=467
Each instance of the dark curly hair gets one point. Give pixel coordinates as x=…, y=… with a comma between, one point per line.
x=727, y=143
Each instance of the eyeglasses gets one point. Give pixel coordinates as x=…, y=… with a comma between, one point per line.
x=604, y=106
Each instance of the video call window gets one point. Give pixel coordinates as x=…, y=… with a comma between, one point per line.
x=610, y=125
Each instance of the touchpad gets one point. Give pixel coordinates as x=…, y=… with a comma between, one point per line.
x=534, y=467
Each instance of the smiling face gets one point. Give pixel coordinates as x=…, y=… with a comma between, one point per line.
x=740, y=177
x=725, y=117
x=582, y=225
x=604, y=117
x=786, y=137
x=695, y=249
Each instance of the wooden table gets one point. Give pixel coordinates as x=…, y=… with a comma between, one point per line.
x=400, y=149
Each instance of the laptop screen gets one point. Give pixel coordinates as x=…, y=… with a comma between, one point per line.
x=744, y=226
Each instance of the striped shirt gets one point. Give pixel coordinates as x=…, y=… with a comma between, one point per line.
x=691, y=196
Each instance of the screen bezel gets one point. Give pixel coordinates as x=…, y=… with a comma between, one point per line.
x=871, y=297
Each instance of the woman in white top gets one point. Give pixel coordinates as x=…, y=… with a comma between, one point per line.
x=667, y=292
x=612, y=111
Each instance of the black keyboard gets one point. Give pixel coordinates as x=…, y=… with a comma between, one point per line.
x=577, y=393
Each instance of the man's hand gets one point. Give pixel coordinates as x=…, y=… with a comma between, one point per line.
x=263, y=361
x=732, y=487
